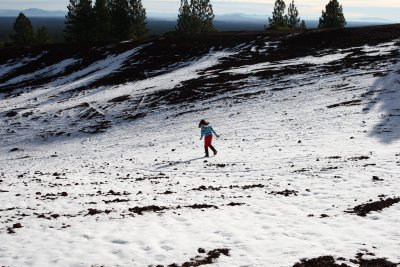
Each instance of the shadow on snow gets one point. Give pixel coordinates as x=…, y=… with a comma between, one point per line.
x=384, y=94
x=172, y=164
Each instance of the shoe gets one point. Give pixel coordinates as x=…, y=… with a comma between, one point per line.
x=207, y=155
x=214, y=150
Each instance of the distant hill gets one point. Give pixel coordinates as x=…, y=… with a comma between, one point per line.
x=32, y=12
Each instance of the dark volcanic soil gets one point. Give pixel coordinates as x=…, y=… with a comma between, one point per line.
x=364, y=209
x=329, y=261
x=200, y=260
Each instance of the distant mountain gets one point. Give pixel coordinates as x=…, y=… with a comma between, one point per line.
x=239, y=17
x=373, y=20
x=32, y=12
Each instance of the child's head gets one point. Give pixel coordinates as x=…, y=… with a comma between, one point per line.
x=202, y=122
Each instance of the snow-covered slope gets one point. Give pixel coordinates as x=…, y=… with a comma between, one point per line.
x=102, y=173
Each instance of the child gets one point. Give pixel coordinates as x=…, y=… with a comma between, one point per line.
x=207, y=131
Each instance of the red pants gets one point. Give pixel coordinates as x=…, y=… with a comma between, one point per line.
x=207, y=141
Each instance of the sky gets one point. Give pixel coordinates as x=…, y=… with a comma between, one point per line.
x=309, y=9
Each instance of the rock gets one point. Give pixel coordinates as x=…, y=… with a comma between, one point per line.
x=17, y=225
x=11, y=114
x=376, y=178
x=64, y=194
x=201, y=250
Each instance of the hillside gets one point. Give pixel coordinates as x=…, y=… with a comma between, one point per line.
x=102, y=163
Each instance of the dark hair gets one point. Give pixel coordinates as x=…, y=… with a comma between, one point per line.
x=202, y=122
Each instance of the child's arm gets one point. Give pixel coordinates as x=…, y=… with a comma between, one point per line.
x=214, y=132
x=202, y=133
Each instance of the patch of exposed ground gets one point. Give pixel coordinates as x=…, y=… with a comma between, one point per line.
x=329, y=261
x=364, y=209
x=201, y=259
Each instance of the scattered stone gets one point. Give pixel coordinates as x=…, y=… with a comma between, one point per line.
x=202, y=206
x=346, y=104
x=117, y=200
x=96, y=211
x=359, y=158
x=285, y=192
x=253, y=186
x=11, y=114
x=168, y=192
x=151, y=208
x=232, y=204
x=376, y=178
x=17, y=225
x=204, y=188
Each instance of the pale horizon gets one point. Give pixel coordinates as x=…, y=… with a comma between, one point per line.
x=308, y=9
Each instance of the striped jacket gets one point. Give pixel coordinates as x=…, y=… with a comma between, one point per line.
x=207, y=130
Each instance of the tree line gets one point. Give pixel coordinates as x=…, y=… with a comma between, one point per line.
x=117, y=20
x=24, y=35
x=105, y=20
x=332, y=16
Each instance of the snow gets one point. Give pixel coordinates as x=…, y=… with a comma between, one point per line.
x=80, y=78
x=314, y=60
x=50, y=70
x=95, y=71
x=259, y=144
x=381, y=49
x=11, y=66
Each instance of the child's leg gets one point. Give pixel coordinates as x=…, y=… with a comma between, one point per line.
x=207, y=143
x=214, y=150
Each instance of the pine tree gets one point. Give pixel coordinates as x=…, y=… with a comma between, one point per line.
x=333, y=16
x=102, y=21
x=293, y=20
x=138, y=19
x=184, y=18
x=80, y=22
x=278, y=20
x=42, y=36
x=120, y=19
x=303, y=25
x=23, y=31
x=203, y=16
x=195, y=17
